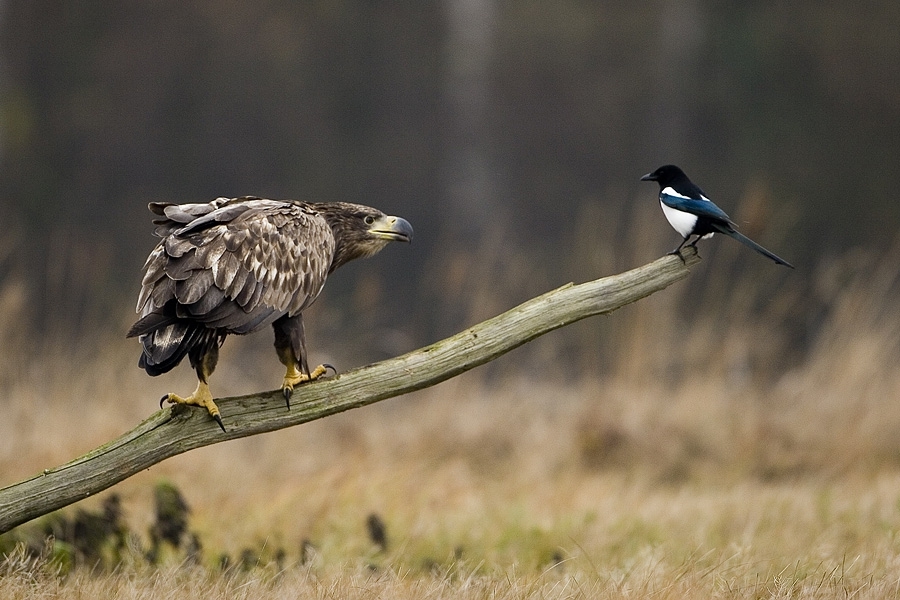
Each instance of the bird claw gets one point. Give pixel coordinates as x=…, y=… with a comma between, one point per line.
x=293, y=378
x=218, y=419
x=201, y=397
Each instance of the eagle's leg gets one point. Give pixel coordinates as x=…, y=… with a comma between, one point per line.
x=203, y=359
x=290, y=345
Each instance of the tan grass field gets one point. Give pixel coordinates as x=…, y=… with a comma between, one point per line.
x=691, y=468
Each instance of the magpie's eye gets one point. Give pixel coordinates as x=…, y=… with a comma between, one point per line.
x=369, y=220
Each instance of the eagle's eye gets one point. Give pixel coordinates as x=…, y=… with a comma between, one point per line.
x=369, y=219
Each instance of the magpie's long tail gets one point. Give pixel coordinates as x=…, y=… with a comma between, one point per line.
x=750, y=243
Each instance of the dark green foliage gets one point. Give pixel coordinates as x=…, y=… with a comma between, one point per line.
x=106, y=106
x=66, y=540
x=171, y=519
x=377, y=531
x=103, y=540
x=91, y=539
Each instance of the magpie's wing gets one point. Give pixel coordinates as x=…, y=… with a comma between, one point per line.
x=701, y=208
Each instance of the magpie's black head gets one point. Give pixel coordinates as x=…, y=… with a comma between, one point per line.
x=666, y=175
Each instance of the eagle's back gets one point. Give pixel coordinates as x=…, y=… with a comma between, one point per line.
x=234, y=265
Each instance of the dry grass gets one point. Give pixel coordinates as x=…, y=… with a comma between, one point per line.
x=715, y=468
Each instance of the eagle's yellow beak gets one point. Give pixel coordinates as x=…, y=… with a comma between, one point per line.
x=395, y=229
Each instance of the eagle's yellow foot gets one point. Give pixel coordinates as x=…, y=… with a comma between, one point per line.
x=200, y=397
x=294, y=377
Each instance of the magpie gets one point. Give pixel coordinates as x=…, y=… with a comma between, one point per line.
x=690, y=212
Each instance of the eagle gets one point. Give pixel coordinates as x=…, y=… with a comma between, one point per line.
x=237, y=265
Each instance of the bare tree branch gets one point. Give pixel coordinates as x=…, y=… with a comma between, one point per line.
x=178, y=429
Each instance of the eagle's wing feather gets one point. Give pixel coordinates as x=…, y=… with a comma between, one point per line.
x=191, y=288
x=176, y=216
x=237, y=264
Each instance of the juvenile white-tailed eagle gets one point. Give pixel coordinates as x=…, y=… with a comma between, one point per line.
x=236, y=265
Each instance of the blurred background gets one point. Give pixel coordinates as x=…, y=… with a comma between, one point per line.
x=511, y=134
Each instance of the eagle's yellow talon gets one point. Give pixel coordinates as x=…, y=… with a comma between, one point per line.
x=218, y=419
x=201, y=397
x=293, y=377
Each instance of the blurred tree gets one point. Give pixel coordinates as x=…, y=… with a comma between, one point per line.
x=491, y=125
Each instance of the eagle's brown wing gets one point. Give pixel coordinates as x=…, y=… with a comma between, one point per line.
x=231, y=265
x=239, y=266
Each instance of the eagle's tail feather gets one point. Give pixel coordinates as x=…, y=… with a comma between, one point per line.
x=149, y=323
x=164, y=348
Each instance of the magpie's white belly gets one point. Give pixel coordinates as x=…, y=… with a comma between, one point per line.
x=680, y=221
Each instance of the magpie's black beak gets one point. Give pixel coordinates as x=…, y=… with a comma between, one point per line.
x=648, y=177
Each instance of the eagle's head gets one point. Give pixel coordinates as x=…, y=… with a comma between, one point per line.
x=361, y=231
